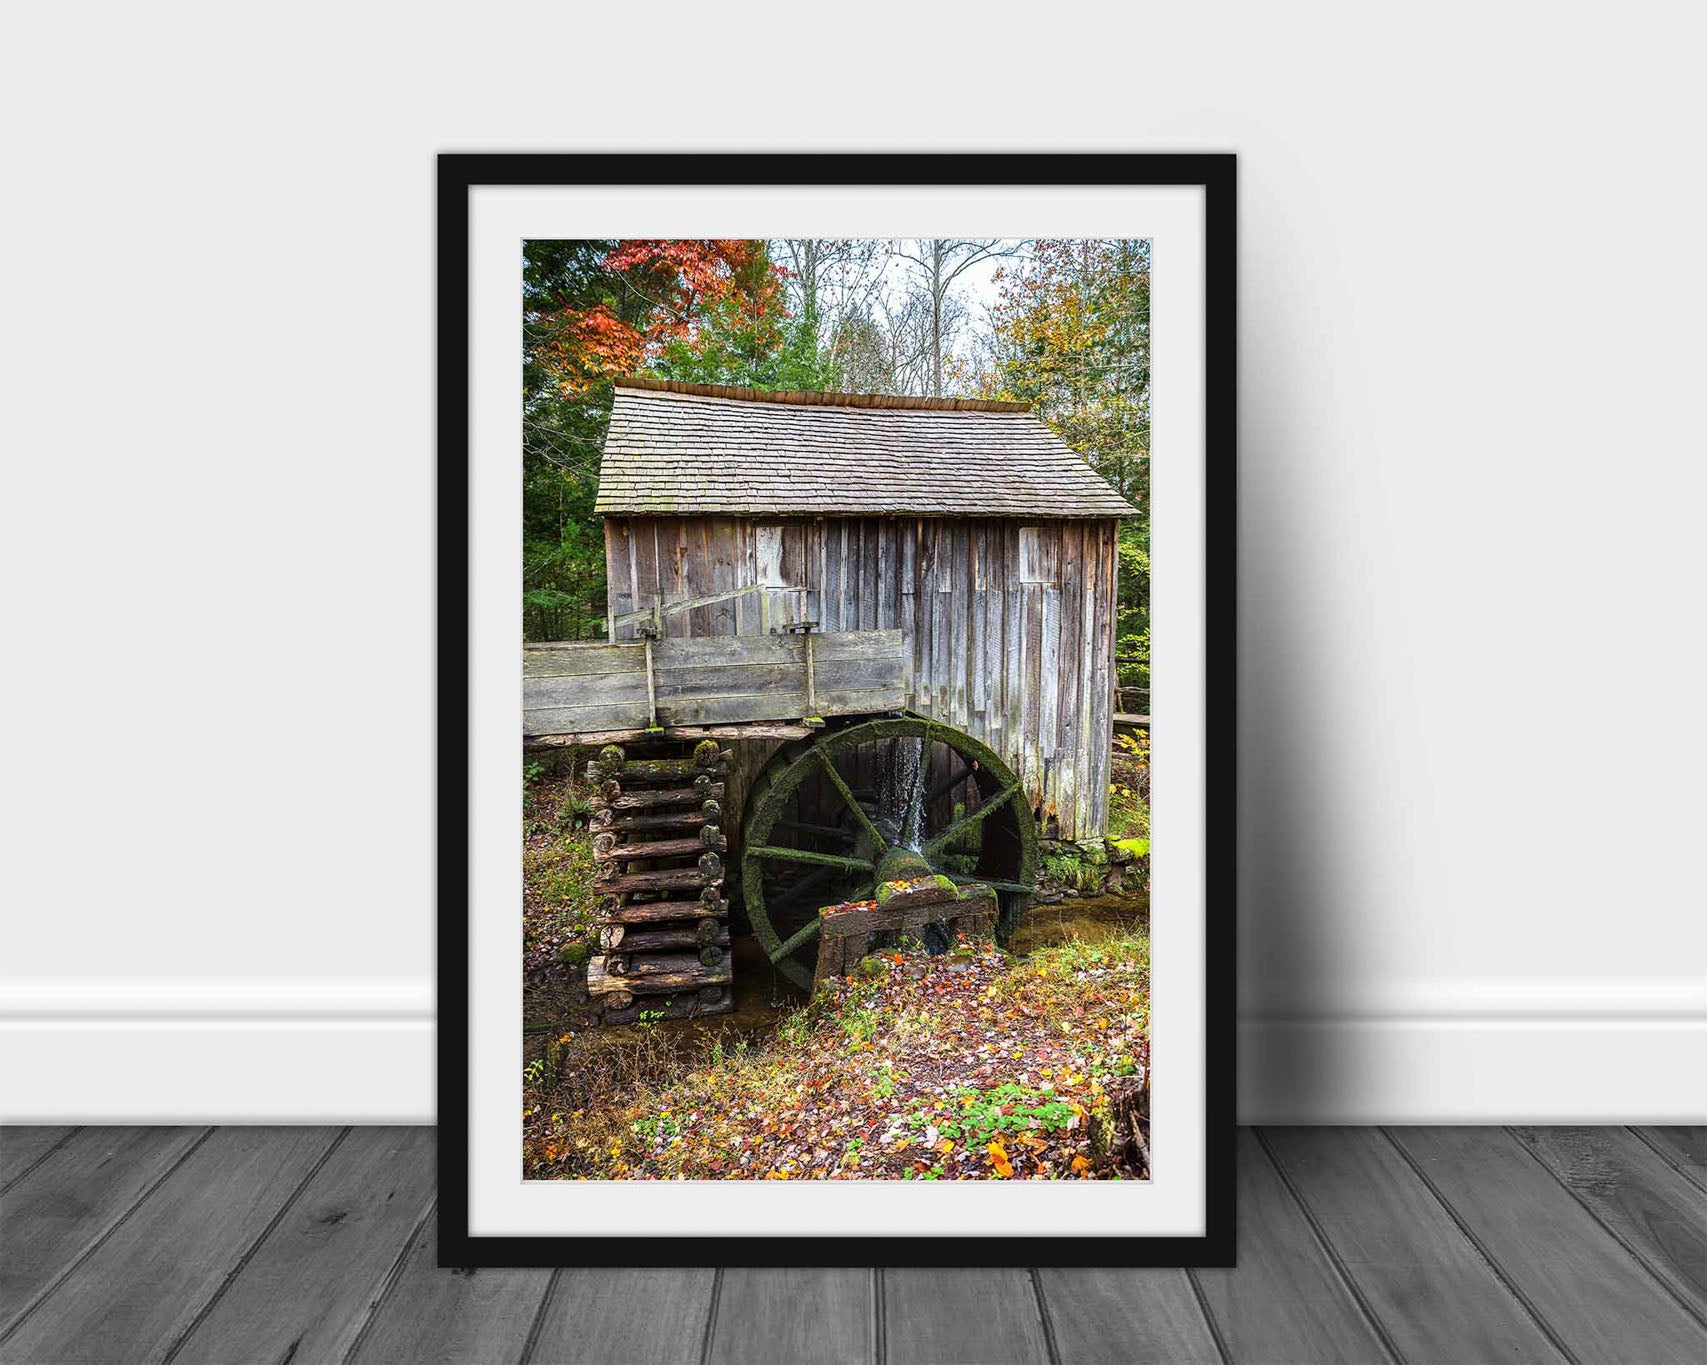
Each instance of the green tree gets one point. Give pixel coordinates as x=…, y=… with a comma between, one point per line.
x=562, y=542
x=706, y=311
x=1071, y=337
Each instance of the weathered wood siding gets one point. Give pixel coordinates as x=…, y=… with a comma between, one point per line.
x=1008, y=626
x=580, y=687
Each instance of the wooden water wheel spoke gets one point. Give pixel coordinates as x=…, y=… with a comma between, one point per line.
x=971, y=820
x=801, y=827
x=806, y=855
x=810, y=790
x=943, y=788
x=849, y=800
x=995, y=884
x=790, y=895
x=804, y=935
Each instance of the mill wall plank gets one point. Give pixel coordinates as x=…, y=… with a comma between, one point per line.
x=1008, y=627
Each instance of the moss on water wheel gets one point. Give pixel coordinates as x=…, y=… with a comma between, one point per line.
x=825, y=811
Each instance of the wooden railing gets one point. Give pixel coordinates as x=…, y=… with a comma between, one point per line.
x=653, y=616
x=586, y=688
x=1131, y=704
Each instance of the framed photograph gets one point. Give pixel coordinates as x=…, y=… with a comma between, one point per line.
x=820, y=537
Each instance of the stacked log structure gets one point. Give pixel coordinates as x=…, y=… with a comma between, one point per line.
x=663, y=919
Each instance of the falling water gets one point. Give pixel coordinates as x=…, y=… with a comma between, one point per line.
x=902, y=792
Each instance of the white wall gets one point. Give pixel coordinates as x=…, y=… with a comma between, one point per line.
x=1471, y=286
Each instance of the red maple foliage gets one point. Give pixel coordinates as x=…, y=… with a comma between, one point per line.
x=671, y=288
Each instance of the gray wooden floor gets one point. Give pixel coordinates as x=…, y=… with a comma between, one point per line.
x=302, y=1245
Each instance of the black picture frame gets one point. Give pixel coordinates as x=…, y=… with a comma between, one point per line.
x=458, y=174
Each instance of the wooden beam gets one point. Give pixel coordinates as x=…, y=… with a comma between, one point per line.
x=591, y=739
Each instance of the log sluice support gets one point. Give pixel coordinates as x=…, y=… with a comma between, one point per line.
x=663, y=920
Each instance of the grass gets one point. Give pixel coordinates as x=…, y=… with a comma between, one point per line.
x=1129, y=789
x=968, y=1066
x=558, y=898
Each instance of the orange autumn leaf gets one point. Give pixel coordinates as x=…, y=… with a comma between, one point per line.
x=674, y=293
x=1081, y=1163
x=999, y=1159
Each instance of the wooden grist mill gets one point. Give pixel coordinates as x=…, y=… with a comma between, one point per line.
x=860, y=658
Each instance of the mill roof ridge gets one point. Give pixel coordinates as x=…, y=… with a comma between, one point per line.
x=812, y=398
x=714, y=450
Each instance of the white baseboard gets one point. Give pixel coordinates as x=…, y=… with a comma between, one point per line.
x=217, y=1071
x=345, y=1050
x=225, y=1050
x=1487, y=1069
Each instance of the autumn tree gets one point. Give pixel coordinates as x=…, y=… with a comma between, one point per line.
x=1068, y=333
x=563, y=423
x=711, y=306
x=737, y=330
x=711, y=311
x=1071, y=336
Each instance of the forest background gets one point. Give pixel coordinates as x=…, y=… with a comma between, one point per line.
x=1061, y=325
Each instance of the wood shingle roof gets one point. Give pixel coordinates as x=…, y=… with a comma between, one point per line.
x=701, y=449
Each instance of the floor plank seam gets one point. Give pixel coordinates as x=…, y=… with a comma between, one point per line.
x=1209, y=1322
x=8, y=1186
x=538, y=1324
x=254, y=1246
x=1050, y=1345
x=102, y=1238
x=879, y=1318
x=1629, y=1247
x=388, y=1284
x=1481, y=1249
x=711, y=1317
x=1670, y=1158
x=1331, y=1253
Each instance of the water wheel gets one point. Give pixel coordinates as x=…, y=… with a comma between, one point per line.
x=825, y=812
